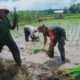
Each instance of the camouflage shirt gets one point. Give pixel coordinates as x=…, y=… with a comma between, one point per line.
x=5, y=27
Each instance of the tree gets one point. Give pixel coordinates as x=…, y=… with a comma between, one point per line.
x=66, y=10
x=75, y=8
x=50, y=11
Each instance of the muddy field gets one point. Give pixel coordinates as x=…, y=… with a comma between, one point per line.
x=40, y=64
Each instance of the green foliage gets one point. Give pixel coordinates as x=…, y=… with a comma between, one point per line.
x=28, y=17
x=36, y=50
x=31, y=17
x=75, y=8
x=75, y=71
x=66, y=10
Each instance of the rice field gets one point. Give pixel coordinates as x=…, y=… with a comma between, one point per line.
x=39, y=61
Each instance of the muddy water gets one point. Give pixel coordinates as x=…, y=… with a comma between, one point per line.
x=40, y=66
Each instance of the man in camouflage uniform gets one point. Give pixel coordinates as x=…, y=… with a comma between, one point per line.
x=5, y=35
x=56, y=35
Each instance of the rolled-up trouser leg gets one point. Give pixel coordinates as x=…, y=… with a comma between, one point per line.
x=15, y=52
x=62, y=49
x=50, y=52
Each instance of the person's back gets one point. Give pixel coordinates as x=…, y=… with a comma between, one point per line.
x=30, y=33
x=60, y=32
x=28, y=30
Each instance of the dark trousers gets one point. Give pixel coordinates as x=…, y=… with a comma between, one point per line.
x=27, y=34
x=61, y=48
x=14, y=49
x=61, y=43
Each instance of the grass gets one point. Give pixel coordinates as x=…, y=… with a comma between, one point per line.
x=66, y=23
x=63, y=22
x=31, y=17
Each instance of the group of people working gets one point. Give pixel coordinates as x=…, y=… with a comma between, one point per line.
x=55, y=34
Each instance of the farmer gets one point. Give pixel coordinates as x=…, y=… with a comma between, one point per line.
x=56, y=35
x=5, y=35
x=30, y=32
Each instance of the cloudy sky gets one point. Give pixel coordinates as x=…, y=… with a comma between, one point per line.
x=36, y=4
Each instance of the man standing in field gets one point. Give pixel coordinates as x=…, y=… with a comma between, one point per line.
x=56, y=35
x=5, y=35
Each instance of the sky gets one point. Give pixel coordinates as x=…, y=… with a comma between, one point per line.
x=36, y=4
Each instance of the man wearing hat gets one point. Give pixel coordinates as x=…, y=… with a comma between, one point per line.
x=5, y=35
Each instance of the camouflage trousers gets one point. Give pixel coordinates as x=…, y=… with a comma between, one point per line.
x=13, y=48
x=61, y=43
